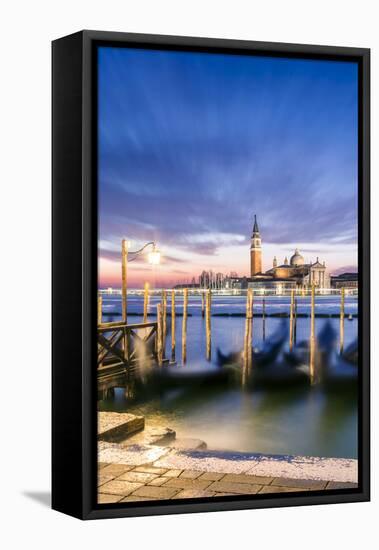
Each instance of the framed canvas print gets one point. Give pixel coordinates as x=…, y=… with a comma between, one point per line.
x=210, y=274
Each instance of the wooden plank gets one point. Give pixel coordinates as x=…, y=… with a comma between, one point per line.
x=111, y=348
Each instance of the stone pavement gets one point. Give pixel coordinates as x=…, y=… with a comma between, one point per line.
x=130, y=483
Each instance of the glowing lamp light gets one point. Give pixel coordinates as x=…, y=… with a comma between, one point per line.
x=155, y=257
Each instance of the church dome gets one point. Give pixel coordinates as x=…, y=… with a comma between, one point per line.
x=297, y=259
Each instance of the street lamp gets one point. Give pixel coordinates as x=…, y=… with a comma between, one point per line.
x=154, y=258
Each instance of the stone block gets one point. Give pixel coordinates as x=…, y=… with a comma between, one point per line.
x=116, y=469
x=158, y=481
x=236, y=488
x=148, y=491
x=139, y=477
x=194, y=493
x=182, y=483
x=341, y=485
x=190, y=474
x=151, y=470
x=172, y=473
x=116, y=427
x=119, y=487
x=103, y=478
x=243, y=478
x=300, y=483
x=275, y=489
x=132, y=498
x=211, y=476
x=107, y=499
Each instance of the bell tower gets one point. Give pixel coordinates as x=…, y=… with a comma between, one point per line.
x=255, y=250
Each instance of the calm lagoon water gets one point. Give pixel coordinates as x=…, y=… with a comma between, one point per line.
x=292, y=421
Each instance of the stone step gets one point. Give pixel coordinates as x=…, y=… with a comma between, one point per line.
x=116, y=427
x=152, y=436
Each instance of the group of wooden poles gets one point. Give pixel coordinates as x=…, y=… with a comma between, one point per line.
x=206, y=303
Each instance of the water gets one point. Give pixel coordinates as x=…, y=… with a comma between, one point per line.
x=305, y=421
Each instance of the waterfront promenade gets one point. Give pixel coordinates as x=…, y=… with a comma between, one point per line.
x=148, y=482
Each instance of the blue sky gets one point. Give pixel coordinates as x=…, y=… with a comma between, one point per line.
x=191, y=145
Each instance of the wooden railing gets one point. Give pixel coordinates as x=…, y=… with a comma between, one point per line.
x=120, y=344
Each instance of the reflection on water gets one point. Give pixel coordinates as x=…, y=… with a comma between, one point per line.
x=283, y=419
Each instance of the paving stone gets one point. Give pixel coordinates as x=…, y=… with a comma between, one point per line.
x=103, y=478
x=139, y=477
x=276, y=489
x=190, y=474
x=211, y=476
x=302, y=483
x=151, y=470
x=341, y=485
x=243, y=478
x=148, y=491
x=182, y=483
x=116, y=469
x=172, y=473
x=107, y=499
x=158, y=481
x=238, y=488
x=132, y=498
x=119, y=487
x=194, y=493
x=101, y=465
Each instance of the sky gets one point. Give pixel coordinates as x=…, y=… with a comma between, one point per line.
x=192, y=145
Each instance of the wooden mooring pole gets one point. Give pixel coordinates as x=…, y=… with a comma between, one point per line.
x=99, y=309
x=202, y=304
x=124, y=275
x=159, y=335
x=295, y=323
x=291, y=318
x=164, y=321
x=145, y=302
x=99, y=312
x=208, y=334
x=173, y=321
x=342, y=320
x=312, y=342
x=124, y=291
x=184, y=326
x=248, y=345
x=264, y=319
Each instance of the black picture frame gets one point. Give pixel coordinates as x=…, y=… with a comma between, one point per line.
x=74, y=272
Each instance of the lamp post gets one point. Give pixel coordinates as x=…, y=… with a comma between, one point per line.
x=126, y=255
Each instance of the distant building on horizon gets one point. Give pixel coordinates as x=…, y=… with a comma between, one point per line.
x=290, y=274
x=344, y=280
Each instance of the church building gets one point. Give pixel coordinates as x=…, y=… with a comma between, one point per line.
x=292, y=273
x=289, y=274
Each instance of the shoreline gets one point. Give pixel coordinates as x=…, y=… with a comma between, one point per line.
x=342, y=470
